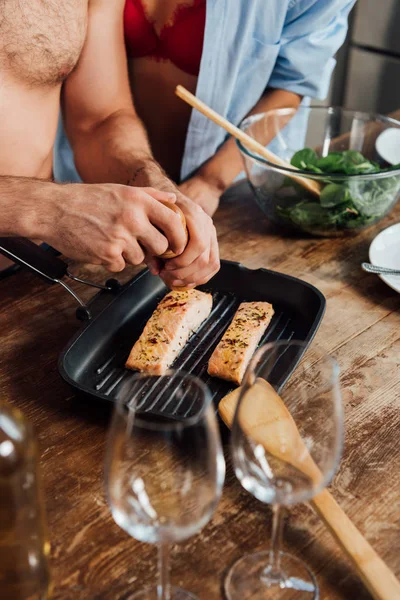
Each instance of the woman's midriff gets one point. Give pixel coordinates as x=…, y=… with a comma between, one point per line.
x=165, y=116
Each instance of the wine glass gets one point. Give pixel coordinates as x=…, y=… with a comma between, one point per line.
x=285, y=449
x=164, y=468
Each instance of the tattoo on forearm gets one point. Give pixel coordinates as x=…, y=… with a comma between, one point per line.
x=135, y=175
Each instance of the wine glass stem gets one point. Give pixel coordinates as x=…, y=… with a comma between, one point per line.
x=273, y=571
x=163, y=588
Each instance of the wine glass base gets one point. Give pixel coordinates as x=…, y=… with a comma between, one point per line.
x=248, y=578
x=152, y=594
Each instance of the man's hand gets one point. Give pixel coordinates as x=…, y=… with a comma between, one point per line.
x=202, y=192
x=112, y=224
x=200, y=259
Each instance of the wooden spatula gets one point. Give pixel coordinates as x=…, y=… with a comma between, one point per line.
x=312, y=186
x=270, y=424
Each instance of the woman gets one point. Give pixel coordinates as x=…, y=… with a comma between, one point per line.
x=239, y=57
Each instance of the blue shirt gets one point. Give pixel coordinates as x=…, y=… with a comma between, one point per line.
x=250, y=45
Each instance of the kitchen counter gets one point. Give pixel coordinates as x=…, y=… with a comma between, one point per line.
x=91, y=557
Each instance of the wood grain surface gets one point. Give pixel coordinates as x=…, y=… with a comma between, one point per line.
x=91, y=557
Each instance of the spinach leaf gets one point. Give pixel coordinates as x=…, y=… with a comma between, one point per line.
x=313, y=169
x=332, y=163
x=349, y=162
x=303, y=159
x=334, y=194
x=354, y=163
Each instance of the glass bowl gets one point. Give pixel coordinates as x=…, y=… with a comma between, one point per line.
x=353, y=201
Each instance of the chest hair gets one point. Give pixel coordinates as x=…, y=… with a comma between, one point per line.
x=41, y=40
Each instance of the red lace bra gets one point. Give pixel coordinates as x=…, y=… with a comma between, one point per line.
x=181, y=42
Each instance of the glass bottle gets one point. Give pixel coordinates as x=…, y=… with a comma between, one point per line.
x=24, y=546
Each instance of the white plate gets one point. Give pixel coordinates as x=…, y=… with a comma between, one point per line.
x=388, y=145
x=385, y=252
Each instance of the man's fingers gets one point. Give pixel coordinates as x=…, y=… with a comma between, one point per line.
x=154, y=264
x=154, y=242
x=170, y=223
x=200, y=265
x=199, y=272
x=159, y=195
x=133, y=254
x=201, y=230
x=116, y=266
x=155, y=214
x=214, y=256
x=196, y=247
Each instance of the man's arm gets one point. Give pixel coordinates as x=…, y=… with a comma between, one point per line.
x=110, y=143
x=20, y=202
x=99, y=224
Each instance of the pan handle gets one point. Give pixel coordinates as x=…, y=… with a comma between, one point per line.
x=49, y=267
x=26, y=253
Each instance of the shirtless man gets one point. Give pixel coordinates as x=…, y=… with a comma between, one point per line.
x=75, y=48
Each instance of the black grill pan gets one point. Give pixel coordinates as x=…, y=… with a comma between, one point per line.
x=93, y=362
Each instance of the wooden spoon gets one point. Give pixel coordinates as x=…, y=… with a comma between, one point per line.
x=312, y=186
x=270, y=424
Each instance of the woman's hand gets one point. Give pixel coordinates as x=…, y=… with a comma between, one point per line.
x=202, y=192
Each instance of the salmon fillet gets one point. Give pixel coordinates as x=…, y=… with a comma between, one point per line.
x=232, y=355
x=178, y=315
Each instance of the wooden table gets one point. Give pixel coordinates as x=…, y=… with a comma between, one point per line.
x=91, y=557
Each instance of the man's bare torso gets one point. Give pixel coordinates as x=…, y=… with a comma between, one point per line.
x=40, y=44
